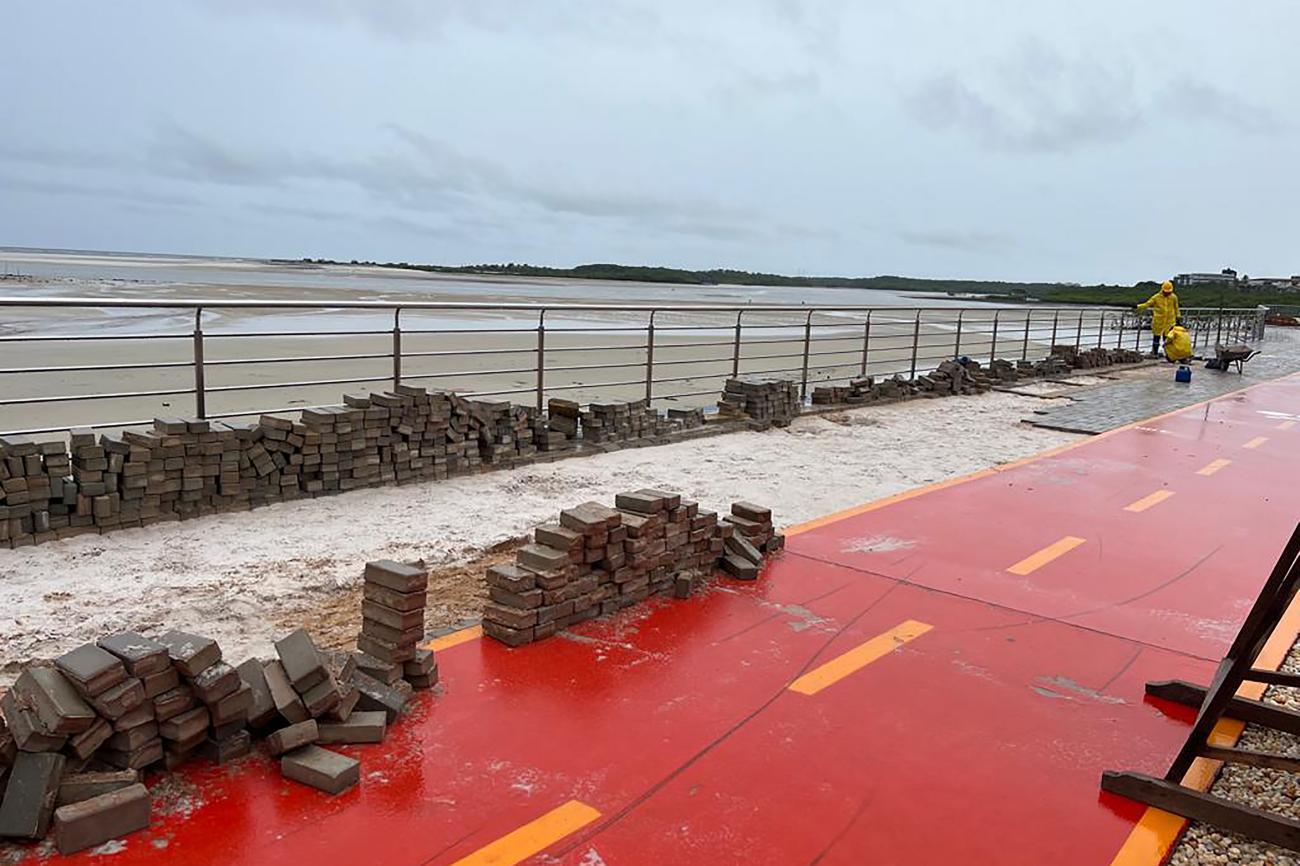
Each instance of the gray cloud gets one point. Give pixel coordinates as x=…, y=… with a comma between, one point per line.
x=968, y=240
x=927, y=137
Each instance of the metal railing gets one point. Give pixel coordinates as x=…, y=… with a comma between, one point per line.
x=143, y=358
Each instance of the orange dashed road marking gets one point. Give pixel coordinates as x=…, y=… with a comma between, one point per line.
x=859, y=657
x=1256, y=442
x=1148, y=501
x=534, y=837
x=1056, y=549
x=1286, y=425
x=1213, y=466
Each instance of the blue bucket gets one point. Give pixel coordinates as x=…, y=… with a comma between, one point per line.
x=1183, y=374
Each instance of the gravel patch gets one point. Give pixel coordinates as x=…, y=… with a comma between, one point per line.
x=1273, y=790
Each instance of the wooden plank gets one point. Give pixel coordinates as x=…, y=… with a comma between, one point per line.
x=1264, y=614
x=1225, y=814
x=1254, y=758
x=1239, y=708
x=1273, y=678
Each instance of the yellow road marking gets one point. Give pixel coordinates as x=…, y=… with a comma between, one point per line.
x=859, y=657
x=448, y=641
x=534, y=837
x=1256, y=442
x=1213, y=466
x=1286, y=425
x=1056, y=549
x=1147, y=501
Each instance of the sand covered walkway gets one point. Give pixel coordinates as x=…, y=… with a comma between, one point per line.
x=242, y=577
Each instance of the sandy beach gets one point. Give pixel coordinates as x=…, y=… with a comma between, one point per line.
x=590, y=355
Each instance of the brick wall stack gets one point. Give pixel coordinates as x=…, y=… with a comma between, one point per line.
x=563, y=418
x=686, y=419
x=767, y=402
x=1086, y=359
x=183, y=468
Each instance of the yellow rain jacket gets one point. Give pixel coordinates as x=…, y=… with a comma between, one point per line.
x=1178, y=344
x=1164, y=311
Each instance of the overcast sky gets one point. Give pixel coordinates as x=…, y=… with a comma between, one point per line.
x=1021, y=140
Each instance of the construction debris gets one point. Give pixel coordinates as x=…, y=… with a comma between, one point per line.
x=75, y=733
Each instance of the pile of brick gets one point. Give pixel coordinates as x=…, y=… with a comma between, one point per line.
x=766, y=402
x=686, y=419
x=394, y=597
x=621, y=422
x=75, y=733
x=597, y=560
x=184, y=468
x=1087, y=359
x=751, y=539
x=952, y=377
x=856, y=391
x=562, y=418
x=506, y=433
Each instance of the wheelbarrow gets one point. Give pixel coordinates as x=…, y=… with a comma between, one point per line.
x=1228, y=356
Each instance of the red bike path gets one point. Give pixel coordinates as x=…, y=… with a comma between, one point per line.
x=936, y=678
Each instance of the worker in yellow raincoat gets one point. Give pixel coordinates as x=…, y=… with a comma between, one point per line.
x=1164, y=314
x=1178, y=344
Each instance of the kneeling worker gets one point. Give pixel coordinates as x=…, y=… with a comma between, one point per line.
x=1178, y=344
x=1164, y=314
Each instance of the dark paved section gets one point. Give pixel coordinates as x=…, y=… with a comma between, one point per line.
x=1106, y=407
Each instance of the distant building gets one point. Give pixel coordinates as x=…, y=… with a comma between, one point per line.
x=1227, y=275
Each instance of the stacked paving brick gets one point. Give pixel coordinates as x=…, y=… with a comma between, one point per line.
x=394, y=597
x=183, y=468
x=596, y=560
x=75, y=734
x=562, y=420
x=766, y=402
x=1086, y=359
x=622, y=422
x=506, y=433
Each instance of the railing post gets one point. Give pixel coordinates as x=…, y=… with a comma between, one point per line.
x=541, y=359
x=993, y=346
x=916, y=339
x=956, y=347
x=1056, y=318
x=1119, y=340
x=807, y=343
x=1218, y=336
x=735, y=349
x=397, y=347
x=200, y=388
x=650, y=359
x=1024, y=349
x=1078, y=334
x=866, y=344
x=1101, y=328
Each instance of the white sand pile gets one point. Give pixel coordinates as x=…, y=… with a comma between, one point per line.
x=230, y=576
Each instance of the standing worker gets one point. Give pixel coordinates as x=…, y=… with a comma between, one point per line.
x=1164, y=314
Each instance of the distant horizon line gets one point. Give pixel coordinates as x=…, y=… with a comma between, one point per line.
x=418, y=265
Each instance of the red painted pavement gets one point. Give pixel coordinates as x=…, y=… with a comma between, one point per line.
x=981, y=741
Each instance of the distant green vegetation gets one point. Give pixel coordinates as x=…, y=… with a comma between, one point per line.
x=1057, y=293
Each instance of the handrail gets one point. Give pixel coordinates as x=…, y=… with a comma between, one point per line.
x=856, y=340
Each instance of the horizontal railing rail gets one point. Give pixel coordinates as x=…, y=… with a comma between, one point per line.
x=68, y=353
